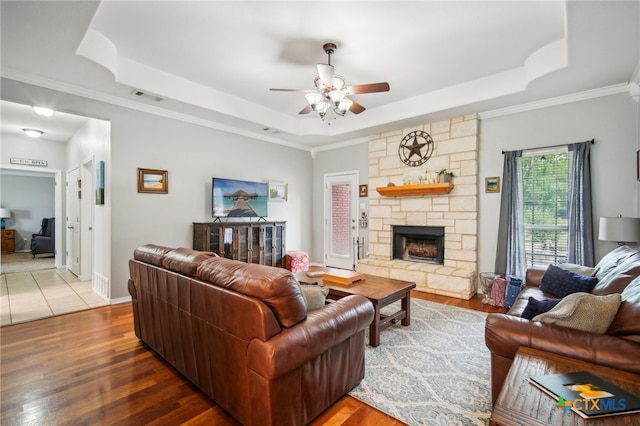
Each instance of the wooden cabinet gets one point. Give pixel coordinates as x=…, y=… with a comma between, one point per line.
x=8, y=240
x=252, y=242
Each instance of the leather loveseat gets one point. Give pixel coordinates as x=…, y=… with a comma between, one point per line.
x=242, y=334
x=619, y=347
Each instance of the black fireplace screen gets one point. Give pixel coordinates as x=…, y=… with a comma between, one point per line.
x=419, y=243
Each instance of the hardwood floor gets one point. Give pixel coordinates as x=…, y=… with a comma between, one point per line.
x=89, y=368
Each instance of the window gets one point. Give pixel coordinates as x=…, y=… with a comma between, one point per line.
x=544, y=194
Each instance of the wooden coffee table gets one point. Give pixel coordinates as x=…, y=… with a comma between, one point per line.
x=521, y=403
x=380, y=291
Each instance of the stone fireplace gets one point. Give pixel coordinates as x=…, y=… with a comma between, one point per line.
x=419, y=243
x=455, y=149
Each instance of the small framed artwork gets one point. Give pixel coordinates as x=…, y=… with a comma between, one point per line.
x=638, y=165
x=153, y=181
x=277, y=191
x=100, y=183
x=364, y=190
x=492, y=184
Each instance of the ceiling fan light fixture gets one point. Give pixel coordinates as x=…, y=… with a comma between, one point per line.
x=319, y=84
x=313, y=99
x=338, y=82
x=33, y=133
x=322, y=108
x=336, y=97
x=332, y=91
x=344, y=106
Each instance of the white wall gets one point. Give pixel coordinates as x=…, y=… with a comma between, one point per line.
x=611, y=120
x=93, y=143
x=192, y=155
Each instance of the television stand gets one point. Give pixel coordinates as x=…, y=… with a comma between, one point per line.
x=260, y=242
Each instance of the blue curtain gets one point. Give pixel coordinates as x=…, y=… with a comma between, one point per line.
x=510, y=256
x=580, y=216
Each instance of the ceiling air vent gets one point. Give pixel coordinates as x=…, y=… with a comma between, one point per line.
x=141, y=94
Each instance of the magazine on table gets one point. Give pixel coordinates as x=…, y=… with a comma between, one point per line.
x=587, y=394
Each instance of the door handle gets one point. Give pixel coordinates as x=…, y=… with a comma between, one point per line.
x=69, y=227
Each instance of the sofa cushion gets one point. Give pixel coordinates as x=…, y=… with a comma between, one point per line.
x=627, y=321
x=587, y=271
x=151, y=253
x=583, y=311
x=537, y=307
x=185, y=261
x=619, y=277
x=613, y=259
x=315, y=295
x=561, y=283
x=276, y=287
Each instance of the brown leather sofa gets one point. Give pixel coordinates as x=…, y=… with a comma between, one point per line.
x=242, y=334
x=618, y=347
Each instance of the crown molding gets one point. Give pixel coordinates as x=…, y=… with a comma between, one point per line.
x=560, y=100
x=337, y=145
x=149, y=109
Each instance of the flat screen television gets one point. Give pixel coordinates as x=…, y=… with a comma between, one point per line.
x=238, y=198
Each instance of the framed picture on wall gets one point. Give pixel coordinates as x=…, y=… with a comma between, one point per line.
x=277, y=191
x=492, y=184
x=364, y=190
x=638, y=165
x=100, y=183
x=153, y=181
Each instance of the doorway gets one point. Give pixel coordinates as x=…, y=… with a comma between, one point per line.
x=74, y=193
x=341, y=227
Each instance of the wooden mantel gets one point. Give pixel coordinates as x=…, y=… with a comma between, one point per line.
x=405, y=190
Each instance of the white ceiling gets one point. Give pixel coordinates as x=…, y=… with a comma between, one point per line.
x=213, y=62
x=59, y=127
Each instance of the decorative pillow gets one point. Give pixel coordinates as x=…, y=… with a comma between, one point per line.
x=537, y=307
x=583, y=311
x=579, y=269
x=315, y=295
x=561, y=283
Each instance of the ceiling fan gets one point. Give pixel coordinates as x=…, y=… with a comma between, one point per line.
x=331, y=92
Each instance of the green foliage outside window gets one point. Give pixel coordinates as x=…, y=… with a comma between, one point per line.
x=545, y=188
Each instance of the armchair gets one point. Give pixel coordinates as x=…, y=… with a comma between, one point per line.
x=45, y=240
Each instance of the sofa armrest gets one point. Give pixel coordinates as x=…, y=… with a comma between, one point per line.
x=533, y=277
x=323, y=329
x=504, y=334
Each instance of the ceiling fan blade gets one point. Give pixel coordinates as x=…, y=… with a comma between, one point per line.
x=306, y=110
x=325, y=72
x=368, y=88
x=294, y=90
x=356, y=108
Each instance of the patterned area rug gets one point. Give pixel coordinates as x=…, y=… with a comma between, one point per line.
x=434, y=372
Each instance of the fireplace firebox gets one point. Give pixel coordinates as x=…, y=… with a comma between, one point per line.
x=419, y=244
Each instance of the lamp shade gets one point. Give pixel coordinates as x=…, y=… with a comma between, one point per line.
x=619, y=229
x=5, y=213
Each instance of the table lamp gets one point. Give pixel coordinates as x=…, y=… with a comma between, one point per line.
x=4, y=214
x=619, y=229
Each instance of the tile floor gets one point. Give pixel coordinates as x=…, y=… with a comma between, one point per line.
x=26, y=296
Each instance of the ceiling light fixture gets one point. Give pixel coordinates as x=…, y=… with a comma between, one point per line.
x=33, y=133
x=46, y=112
x=332, y=93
